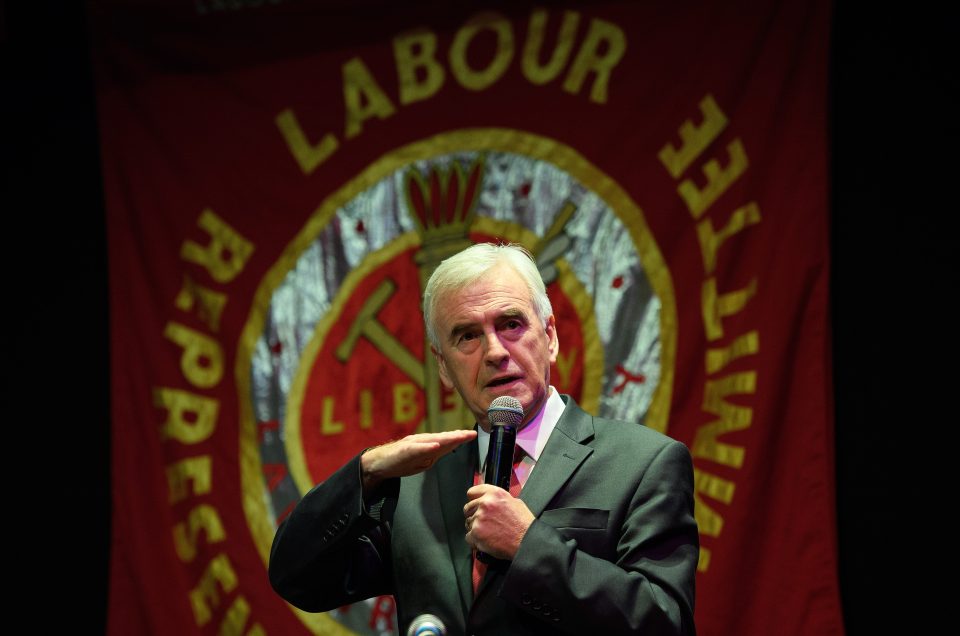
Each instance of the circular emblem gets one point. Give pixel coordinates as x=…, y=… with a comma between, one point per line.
x=334, y=357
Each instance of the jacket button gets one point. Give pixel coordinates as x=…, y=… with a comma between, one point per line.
x=525, y=599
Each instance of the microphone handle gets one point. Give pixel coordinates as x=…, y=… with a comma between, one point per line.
x=503, y=439
x=499, y=470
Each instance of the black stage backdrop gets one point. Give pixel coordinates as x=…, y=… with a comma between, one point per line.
x=893, y=153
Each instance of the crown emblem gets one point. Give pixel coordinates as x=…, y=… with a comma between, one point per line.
x=443, y=203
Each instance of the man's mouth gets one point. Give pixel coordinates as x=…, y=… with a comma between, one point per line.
x=502, y=381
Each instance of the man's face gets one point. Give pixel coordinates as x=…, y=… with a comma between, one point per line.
x=492, y=343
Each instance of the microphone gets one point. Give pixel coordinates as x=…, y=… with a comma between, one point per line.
x=427, y=625
x=504, y=414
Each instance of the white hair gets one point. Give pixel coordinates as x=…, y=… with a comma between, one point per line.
x=467, y=266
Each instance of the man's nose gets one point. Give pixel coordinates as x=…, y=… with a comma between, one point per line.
x=494, y=352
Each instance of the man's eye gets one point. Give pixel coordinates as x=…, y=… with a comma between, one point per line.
x=513, y=324
x=468, y=341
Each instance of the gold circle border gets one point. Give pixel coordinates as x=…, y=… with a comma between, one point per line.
x=464, y=140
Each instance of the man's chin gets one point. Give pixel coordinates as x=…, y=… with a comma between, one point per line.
x=530, y=404
x=492, y=393
x=512, y=389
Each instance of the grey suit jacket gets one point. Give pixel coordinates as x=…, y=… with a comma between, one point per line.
x=613, y=549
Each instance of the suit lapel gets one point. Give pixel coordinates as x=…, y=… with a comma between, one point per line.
x=563, y=454
x=455, y=475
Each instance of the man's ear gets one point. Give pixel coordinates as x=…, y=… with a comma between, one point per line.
x=442, y=367
x=553, y=344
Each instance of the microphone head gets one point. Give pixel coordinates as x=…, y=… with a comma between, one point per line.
x=505, y=410
x=427, y=624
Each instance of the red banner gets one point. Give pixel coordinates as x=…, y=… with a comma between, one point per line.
x=282, y=176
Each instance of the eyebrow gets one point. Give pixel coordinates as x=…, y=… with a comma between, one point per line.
x=506, y=314
x=512, y=312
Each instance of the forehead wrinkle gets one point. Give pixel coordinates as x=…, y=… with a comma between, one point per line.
x=473, y=304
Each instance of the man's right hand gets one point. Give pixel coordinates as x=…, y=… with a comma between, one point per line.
x=408, y=456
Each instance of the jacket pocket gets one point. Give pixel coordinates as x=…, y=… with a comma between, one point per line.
x=587, y=527
x=579, y=518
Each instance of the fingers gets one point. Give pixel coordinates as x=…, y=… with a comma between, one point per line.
x=474, y=493
x=475, y=498
x=446, y=441
x=495, y=521
x=410, y=455
x=424, y=449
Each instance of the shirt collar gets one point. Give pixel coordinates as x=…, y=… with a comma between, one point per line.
x=533, y=437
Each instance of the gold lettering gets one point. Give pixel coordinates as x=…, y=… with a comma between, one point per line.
x=718, y=180
x=561, y=52
x=412, y=51
x=235, y=619
x=476, y=80
x=709, y=521
x=694, y=140
x=206, y=595
x=404, y=402
x=202, y=357
x=703, y=563
x=204, y=517
x=565, y=365
x=359, y=87
x=747, y=344
x=329, y=426
x=711, y=241
x=732, y=418
x=190, y=475
x=716, y=308
x=202, y=412
x=589, y=59
x=308, y=156
x=209, y=303
x=453, y=401
x=366, y=408
x=456, y=415
x=226, y=254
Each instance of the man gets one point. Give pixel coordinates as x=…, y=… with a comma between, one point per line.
x=601, y=539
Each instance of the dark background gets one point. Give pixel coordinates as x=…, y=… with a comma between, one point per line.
x=894, y=192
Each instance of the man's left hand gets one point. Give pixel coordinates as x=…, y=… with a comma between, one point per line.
x=495, y=521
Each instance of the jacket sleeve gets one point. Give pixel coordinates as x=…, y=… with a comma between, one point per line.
x=647, y=589
x=333, y=549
